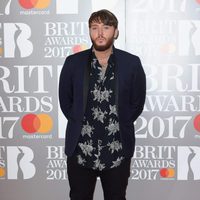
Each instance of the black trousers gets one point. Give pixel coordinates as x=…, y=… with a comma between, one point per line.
x=82, y=181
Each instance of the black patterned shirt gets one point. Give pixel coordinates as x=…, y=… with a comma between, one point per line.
x=99, y=145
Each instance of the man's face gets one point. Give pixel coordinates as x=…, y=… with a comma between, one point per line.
x=102, y=36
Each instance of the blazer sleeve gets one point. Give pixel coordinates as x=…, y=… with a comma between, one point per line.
x=138, y=93
x=66, y=88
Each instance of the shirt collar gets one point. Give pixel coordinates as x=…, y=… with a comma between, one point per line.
x=110, y=60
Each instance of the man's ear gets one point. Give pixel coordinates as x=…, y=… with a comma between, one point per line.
x=116, y=34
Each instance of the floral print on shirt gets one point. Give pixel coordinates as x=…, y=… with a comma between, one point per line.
x=100, y=145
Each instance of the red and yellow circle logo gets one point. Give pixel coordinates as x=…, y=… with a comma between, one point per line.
x=197, y=123
x=168, y=48
x=167, y=173
x=2, y=172
x=41, y=123
x=39, y=4
x=1, y=51
x=79, y=47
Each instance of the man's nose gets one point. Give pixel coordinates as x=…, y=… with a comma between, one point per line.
x=100, y=32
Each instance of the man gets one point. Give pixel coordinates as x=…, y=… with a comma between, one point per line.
x=102, y=92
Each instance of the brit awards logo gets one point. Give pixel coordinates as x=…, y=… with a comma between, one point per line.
x=179, y=163
x=56, y=163
x=64, y=38
x=16, y=39
x=154, y=163
x=18, y=164
x=188, y=163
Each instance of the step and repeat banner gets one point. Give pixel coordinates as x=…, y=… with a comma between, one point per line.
x=35, y=38
x=166, y=36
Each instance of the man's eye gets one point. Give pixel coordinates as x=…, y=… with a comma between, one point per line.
x=106, y=27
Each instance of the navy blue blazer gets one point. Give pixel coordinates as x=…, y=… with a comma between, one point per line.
x=130, y=91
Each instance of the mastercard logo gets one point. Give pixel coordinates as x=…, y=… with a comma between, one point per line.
x=167, y=173
x=41, y=123
x=78, y=48
x=2, y=172
x=197, y=123
x=39, y=4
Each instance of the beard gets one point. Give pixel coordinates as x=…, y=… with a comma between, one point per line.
x=104, y=47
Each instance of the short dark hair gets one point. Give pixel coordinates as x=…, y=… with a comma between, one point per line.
x=104, y=16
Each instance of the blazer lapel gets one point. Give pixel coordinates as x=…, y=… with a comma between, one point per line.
x=87, y=70
x=116, y=80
